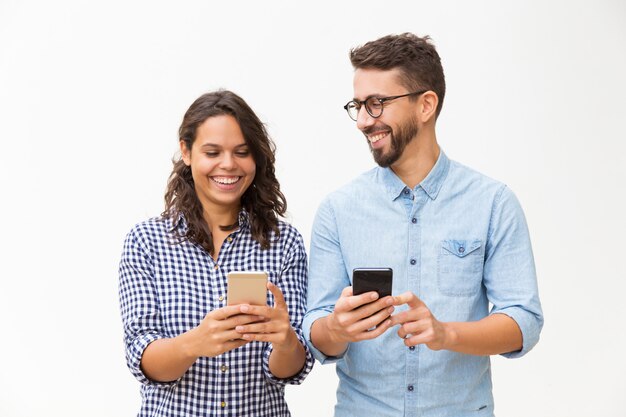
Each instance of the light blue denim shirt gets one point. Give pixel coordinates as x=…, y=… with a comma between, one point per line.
x=458, y=241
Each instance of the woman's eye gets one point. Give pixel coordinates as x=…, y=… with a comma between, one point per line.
x=211, y=154
x=242, y=153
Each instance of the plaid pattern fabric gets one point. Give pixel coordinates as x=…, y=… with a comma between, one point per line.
x=166, y=287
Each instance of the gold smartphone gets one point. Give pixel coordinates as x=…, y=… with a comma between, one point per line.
x=247, y=287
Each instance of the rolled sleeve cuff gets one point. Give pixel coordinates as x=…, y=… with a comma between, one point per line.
x=308, y=321
x=134, y=352
x=530, y=326
x=298, y=378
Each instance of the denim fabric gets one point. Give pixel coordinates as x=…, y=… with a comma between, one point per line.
x=459, y=241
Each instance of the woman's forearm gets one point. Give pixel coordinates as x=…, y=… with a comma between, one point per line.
x=167, y=360
x=287, y=360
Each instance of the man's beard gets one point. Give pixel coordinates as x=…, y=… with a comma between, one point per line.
x=398, y=142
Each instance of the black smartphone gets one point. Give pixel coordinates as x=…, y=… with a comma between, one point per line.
x=372, y=279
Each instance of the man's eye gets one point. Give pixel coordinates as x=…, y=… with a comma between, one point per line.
x=374, y=104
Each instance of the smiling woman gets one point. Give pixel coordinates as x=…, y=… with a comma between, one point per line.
x=220, y=138
x=189, y=349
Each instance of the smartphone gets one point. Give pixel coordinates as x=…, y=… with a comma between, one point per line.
x=372, y=279
x=247, y=287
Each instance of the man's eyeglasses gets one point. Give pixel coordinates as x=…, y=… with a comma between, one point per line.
x=373, y=105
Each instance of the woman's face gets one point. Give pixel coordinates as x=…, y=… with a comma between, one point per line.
x=221, y=163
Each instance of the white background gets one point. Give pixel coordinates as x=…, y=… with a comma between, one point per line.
x=91, y=97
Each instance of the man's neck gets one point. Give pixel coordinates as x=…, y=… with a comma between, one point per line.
x=418, y=159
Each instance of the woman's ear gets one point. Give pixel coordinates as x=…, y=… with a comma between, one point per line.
x=428, y=109
x=185, y=153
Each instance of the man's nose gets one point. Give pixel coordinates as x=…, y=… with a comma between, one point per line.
x=363, y=119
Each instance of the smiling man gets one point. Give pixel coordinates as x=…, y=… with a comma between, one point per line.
x=456, y=240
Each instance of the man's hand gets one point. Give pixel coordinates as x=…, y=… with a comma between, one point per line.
x=418, y=325
x=354, y=315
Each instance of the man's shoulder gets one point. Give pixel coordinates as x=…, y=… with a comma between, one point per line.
x=461, y=175
x=362, y=183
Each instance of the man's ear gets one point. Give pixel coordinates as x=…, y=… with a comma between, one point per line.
x=428, y=108
x=185, y=153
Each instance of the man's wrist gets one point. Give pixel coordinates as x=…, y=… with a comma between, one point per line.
x=451, y=337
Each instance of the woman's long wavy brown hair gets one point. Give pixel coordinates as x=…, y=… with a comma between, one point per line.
x=263, y=200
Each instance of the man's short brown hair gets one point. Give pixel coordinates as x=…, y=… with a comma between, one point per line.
x=415, y=57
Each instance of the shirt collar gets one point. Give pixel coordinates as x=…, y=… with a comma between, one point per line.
x=431, y=184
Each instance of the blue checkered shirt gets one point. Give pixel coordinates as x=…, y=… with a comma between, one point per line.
x=166, y=287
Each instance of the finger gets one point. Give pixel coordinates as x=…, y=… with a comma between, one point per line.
x=352, y=302
x=263, y=311
x=408, y=298
x=372, y=334
x=224, y=312
x=259, y=337
x=372, y=320
x=240, y=319
x=279, y=299
x=410, y=315
x=234, y=344
x=346, y=292
x=228, y=336
x=420, y=339
x=412, y=328
x=374, y=307
x=264, y=327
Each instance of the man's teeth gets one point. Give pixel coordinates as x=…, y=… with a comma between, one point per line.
x=377, y=137
x=225, y=180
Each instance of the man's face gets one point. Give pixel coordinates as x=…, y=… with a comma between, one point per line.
x=389, y=134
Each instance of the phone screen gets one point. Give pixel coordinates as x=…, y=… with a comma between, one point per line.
x=372, y=279
x=247, y=287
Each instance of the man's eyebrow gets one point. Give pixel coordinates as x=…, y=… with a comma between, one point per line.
x=375, y=95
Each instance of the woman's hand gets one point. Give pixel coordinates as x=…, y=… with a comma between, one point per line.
x=275, y=327
x=216, y=333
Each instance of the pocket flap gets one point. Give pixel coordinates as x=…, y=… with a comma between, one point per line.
x=461, y=248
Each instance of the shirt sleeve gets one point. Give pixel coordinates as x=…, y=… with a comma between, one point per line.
x=138, y=303
x=509, y=271
x=327, y=274
x=293, y=284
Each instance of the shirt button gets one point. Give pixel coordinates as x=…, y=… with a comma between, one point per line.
x=221, y=298
x=223, y=368
x=461, y=249
x=411, y=347
x=406, y=191
x=217, y=267
x=413, y=261
x=410, y=387
x=230, y=239
x=413, y=220
x=223, y=404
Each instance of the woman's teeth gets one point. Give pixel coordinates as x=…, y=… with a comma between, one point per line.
x=225, y=180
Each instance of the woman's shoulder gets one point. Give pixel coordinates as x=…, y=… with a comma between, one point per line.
x=153, y=228
x=289, y=235
x=287, y=229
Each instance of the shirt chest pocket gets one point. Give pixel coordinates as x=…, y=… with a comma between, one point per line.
x=460, y=267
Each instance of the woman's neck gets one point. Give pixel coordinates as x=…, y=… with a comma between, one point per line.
x=220, y=216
